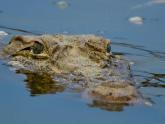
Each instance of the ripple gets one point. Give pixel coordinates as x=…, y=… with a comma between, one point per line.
x=155, y=53
x=19, y=30
x=148, y=4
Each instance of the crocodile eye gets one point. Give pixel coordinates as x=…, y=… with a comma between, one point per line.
x=37, y=48
x=108, y=48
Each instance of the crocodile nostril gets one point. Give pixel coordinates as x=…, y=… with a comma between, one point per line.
x=110, y=94
x=18, y=40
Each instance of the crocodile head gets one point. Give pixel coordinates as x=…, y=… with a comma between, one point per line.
x=58, y=53
x=79, y=60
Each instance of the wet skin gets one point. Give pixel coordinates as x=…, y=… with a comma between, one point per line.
x=79, y=62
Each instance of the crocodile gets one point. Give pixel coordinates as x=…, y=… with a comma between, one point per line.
x=81, y=63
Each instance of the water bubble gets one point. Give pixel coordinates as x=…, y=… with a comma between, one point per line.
x=62, y=4
x=148, y=103
x=2, y=34
x=136, y=20
x=131, y=63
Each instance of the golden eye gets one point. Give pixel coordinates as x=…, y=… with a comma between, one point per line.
x=37, y=48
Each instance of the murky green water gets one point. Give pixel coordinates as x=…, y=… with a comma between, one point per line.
x=143, y=45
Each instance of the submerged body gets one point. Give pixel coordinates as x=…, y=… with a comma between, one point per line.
x=82, y=62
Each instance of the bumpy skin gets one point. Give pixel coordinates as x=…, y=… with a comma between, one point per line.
x=60, y=54
x=81, y=62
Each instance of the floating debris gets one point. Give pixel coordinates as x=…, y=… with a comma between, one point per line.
x=136, y=20
x=62, y=4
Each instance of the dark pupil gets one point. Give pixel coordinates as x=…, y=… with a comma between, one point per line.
x=37, y=48
x=108, y=48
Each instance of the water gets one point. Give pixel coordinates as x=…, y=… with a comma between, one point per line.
x=142, y=44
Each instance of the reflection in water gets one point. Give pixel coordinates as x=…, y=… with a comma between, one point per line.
x=151, y=79
x=126, y=53
x=108, y=106
x=41, y=83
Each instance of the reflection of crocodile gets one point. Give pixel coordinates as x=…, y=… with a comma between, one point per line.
x=41, y=83
x=80, y=62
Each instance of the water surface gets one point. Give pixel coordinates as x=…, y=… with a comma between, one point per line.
x=142, y=45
